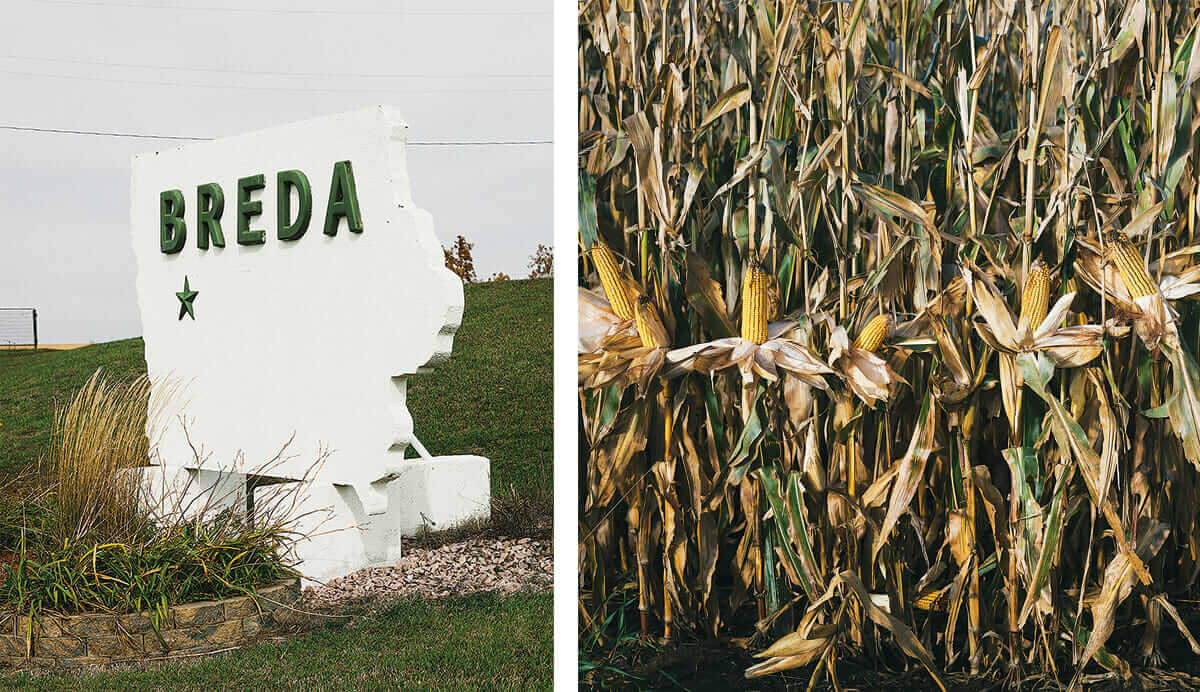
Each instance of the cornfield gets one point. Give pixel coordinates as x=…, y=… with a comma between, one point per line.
x=886, y=334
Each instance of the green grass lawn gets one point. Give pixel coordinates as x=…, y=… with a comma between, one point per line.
x=493, y=397
x=473, y=643
x=33, y=383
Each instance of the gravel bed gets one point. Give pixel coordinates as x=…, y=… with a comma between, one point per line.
x=479, y=564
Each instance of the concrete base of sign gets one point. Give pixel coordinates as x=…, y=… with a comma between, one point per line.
x=441, y=492
x=173, y=491
x=344, y=530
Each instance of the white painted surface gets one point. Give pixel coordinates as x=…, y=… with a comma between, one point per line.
x=308, y=340
x=440, y=492
x=172, y=491
x=343, y=535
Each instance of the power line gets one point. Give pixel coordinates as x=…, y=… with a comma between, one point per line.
x=258, y=10
x=274, y=88
x=131, y=135
x=138, y=135
x=499, y=142
x=192, y=68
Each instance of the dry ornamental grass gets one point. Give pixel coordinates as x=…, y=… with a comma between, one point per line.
x=95, y=539
x=926, y=380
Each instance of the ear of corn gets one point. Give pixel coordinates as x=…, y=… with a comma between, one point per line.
x=1129, y=264
x=650, y=327
x=754, y=304
x=1035, y=298
x=616, y=288
x=871, y=337
x=933, y=599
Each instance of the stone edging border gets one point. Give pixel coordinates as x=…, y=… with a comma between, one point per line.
x=100, y=638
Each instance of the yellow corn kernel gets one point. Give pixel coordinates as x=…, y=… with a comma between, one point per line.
x=1129, y=264
x=1035, y=299
x=650, y=327
x=616, y=288
x=754, y=304
x=871, y=337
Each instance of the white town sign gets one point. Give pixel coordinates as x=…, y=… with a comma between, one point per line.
x=288, y=289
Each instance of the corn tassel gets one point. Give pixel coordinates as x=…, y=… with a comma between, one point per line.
x=616, y=288
x=871, y=337
x=1035, y=299
x=1129, y=265
x=754, y=304
x=650, y=327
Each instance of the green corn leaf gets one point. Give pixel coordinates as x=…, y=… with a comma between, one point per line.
x=1183, y=403
x=1049, y=544
x=770, y=485
x=800, y=530
x=588, y=228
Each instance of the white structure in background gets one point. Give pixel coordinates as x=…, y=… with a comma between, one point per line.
x=288, y=287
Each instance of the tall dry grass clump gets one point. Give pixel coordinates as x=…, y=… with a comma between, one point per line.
x=968, y=435
x=101, y=431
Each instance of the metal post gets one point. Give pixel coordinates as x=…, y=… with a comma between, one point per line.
x=35, y=339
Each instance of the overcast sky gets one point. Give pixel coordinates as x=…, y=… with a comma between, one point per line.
x=223, y=67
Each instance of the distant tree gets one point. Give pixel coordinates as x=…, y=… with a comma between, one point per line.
x=541, y=262
x=460, y=261
x=499, y=276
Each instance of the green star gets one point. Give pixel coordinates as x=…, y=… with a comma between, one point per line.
x=186, y=296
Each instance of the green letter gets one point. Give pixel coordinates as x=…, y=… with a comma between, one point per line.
x=290, y=229
x=172, y=231
x=343, y=200
x=248, y=209
x=210, y=202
